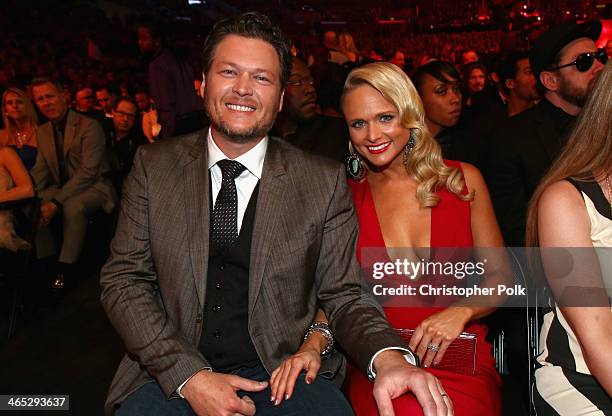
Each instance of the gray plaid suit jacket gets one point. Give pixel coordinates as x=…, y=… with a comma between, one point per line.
x=303, y=256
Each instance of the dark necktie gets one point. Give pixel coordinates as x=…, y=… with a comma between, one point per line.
x=59, y=148
x=225, y=212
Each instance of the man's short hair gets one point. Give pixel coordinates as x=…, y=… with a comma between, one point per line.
x=125, y=98
x=440, y=70
x=508, y=68
x=155, y=28
x=108, y=87
x=468, y=68
x=37, y=82
x=251, y=25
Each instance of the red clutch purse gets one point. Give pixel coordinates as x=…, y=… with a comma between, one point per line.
x=460, y=356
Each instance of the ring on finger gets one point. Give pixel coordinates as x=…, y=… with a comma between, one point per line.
x=433, y=347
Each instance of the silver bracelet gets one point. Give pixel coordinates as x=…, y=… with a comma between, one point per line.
x=323, y=329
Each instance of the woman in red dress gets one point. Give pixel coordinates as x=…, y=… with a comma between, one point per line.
x=407, y=196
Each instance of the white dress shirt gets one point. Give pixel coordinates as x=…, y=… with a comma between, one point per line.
x=245, y=182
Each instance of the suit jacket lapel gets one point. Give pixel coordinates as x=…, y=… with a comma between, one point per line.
x=70, y=132
x=273, y=188
x=197, y=215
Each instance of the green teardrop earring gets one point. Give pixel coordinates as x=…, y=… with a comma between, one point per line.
x=354, y=166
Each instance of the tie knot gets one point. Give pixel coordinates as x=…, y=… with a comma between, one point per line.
x=230, y=168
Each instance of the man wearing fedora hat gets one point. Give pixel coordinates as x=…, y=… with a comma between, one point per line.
x=566, y=64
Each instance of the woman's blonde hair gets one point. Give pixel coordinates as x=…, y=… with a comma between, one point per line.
x=31, y=117
x=346, y=43
x=588, y=152
x=424, y=164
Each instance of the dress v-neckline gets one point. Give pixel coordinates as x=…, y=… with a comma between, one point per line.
x=380, y=235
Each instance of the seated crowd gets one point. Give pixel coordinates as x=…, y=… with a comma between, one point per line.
x=441, y=150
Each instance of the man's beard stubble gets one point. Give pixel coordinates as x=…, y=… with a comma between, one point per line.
x=576, y=95
x=257, y=131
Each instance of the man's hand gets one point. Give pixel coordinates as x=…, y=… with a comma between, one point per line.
x=214, y=394
x=48, y=210
x=394, y=377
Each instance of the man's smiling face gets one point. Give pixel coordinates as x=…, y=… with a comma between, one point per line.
x=242, y=89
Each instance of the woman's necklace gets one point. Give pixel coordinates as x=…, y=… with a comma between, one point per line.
x=22, y=136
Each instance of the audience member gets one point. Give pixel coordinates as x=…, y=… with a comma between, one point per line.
x=69, y=175
x=212, y=338
x=439, y=86
x=346, y=45
x=299, y=123
x=524, y=147
x=518, y=86
x=469, y=56
x=106, y=98
x=179, y=109
x=127, y=136
x=475, y=79
x=85, y=101
x=566, y=64
x=572, y=207
x=518, y=83
x=144, y=101
x=334, y=54
x=396, y=158
x=20, y=122
x=398, y=59
x=15, y=184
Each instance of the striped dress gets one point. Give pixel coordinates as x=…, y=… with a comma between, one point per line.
x=564, y=384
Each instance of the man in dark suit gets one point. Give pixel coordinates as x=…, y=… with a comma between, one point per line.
x=228, y=241
x=563, y=61
x=69, y=173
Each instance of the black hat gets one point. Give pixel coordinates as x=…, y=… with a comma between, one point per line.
x=547, y=46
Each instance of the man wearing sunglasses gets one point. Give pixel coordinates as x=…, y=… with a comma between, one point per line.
x=566, y=64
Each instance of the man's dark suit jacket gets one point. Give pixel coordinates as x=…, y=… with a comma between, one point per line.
x=303, y=257
x=520, y=155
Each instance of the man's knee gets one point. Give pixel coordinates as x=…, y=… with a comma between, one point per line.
x=74, y=208
x=149, y=400
x=322, y=396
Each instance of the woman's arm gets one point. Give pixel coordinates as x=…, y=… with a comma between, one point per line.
x=442, y=328
x=307, y=358
x=488, y=244
x=563, y=222
x=23, y=184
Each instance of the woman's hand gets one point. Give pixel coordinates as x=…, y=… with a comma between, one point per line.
x=282, y=382
x=437, y=332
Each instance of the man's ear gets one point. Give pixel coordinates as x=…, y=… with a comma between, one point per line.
x=549, y=80
x=280, y=105
x=509, y=84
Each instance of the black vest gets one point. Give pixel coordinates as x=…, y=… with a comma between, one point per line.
x=225, y=340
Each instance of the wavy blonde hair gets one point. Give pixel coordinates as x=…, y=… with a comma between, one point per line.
x=31, y=117
x=425, y=164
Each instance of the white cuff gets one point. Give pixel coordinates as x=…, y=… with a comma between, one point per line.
x=178, y=391
x=407, y=353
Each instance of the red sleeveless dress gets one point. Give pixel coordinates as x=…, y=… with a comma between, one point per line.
x=477, y=394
